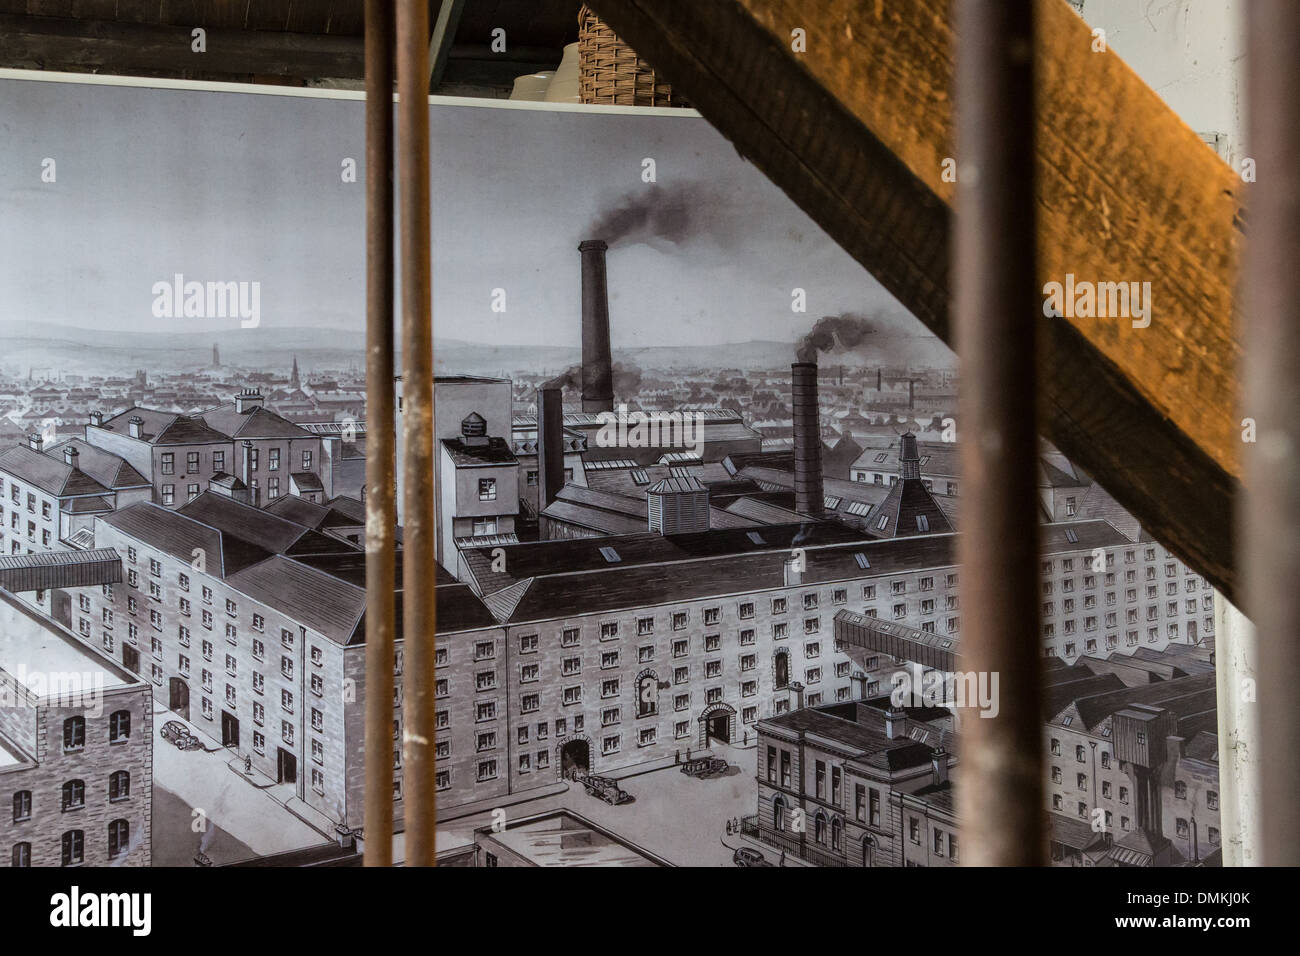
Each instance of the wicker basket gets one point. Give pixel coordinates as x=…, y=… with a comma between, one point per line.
x=609, y=71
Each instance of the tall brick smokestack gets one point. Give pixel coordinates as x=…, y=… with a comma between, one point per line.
x=597, y=366
x=550, y=446
x=808, y=496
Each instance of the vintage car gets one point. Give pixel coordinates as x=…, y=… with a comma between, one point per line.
x=177, y=733
x=606, y=789
x=748, y=856
x=704, y=767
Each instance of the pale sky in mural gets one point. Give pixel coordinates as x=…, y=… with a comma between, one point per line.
x=236, y=186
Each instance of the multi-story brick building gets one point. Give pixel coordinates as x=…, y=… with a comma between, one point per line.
x=76, y=749
x=241, y=446
x=1189, y=790
x=48, y=502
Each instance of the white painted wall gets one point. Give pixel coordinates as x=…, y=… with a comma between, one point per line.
x=1191, y=52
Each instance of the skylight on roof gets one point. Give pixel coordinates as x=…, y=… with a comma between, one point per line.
x=755, y=537
x=1070, y=536
x=922, y=523
x=881, y=457
x=831, y=502
x=884, y=520
x=861, y=558
x=610, y=555
x=640, y=477
x=859, y=508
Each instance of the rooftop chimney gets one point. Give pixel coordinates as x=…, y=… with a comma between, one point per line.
x=35, y=440
x=895, y=722
x=939, y=763
x=71, y=455
x=97, y=419
x=911, y=393
x=247, y=400
x=135, y=426
x=808, y=496
x=550, y=446
x=597, y=366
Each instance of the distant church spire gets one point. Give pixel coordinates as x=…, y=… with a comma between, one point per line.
x=293, y=379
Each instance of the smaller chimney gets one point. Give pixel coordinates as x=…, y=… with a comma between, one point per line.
x=911, y=393
x=135, y=426
x=247, y=468
x=550, y=446
x=939, y=763
x=895, y=722
x=35, y=441
x=798, y=692
x=97, y=419
x=71, y=455
x=247, y=400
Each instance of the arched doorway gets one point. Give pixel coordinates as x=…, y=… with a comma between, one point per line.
x=868, y=851
x=778, y=813
x=575, y=755
x=782, y=666
x=178, y=697
x=718, y=722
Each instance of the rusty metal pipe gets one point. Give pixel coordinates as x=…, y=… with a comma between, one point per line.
x=381, y=509
x=1270, y=515
x=419, y=560
x=996, y=311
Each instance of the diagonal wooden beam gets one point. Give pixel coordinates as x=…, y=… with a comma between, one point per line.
x=858, y=132
x=444, y=34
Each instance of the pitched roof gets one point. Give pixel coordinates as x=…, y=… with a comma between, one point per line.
x=908, y=509
x=257, y=422
x=165, y=428
x=51, y=475
x=108, y=469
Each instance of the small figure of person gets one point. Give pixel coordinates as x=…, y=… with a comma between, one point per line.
x=248, y=764
x=782, y=863
x=728, y=828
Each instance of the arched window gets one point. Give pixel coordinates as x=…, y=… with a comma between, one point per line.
x=868, y=851
x=778, y=814
x=819, y=828
x=837, y=831
x=782, y=669
x=74, y=847
x=119, y=725
x=119, y=785
x=22, y=806
x=119, y=832
x=22, y=855
x=74, y=733
x=647, y=694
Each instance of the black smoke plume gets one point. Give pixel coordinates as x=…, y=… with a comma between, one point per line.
x=627, y=379
x=836, y=333
x=678, y=214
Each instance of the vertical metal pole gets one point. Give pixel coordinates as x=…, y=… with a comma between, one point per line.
x=419, y=559
x=381, y=510
x=996, y=311
x=1271, y=514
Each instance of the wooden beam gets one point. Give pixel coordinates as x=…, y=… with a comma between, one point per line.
x=857, y=131
x=444, y=35
x=104, y=46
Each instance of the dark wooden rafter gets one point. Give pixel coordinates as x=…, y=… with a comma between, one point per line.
x=857, y=129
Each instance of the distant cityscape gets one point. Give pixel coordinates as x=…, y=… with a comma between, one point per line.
x=191, y=542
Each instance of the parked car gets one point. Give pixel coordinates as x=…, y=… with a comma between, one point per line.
x=704, y=767
x=748, y=856
x=607, y=789
x=177, y=733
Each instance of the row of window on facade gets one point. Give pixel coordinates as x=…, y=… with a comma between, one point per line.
x=73, y=795
x=167, y=463
x=73, y=845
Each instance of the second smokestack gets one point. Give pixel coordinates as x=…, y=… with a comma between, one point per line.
x=808, y=496
x=597, y=366
x=550, y=446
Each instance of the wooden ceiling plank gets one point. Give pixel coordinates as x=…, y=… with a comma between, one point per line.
x=856, y=130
